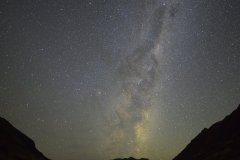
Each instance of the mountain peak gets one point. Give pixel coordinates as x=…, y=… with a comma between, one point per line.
x=130, y=158
x=220, y=141
x=14, y=145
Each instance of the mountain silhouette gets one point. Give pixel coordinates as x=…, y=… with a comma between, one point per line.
x=14, y=145
x=220, y=142
x=130, y=158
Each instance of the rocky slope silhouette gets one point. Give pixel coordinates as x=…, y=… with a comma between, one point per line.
x=220, y=142
x=14, y=145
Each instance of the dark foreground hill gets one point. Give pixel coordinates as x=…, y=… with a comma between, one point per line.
x=14, y=145
x=220, y=142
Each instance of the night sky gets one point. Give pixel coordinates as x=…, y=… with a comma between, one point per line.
x=117, y=78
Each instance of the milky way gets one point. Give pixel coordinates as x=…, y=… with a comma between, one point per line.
x=104, y=79
x=138, y=72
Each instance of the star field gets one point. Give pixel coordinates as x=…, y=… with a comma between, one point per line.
x=106, y=79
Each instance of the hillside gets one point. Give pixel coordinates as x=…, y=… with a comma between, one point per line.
x=14, y=145
x=220, y=142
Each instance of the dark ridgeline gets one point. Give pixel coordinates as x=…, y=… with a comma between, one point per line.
x=14, y=145
x=130, y=158
x=220, y=142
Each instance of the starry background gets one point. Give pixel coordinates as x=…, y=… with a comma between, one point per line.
x=106, y=79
